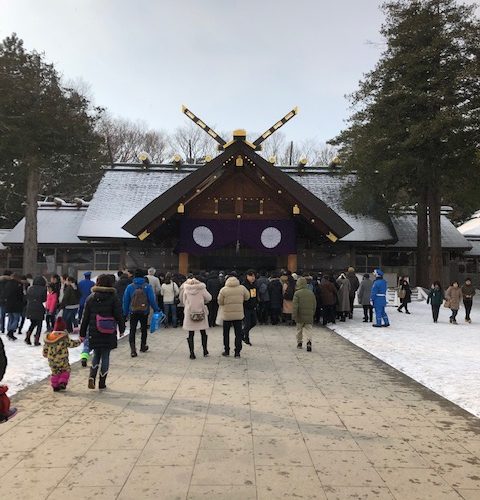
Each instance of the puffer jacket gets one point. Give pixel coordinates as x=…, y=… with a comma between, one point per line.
x=104, y=302
x=231, y=297
x=14, y=297
x=454, y=297
x=304, y=303
x=194, y=296
x=36, y=296
x=71, y=297
x=468, y=292
x=55, y=350
x=275, y=292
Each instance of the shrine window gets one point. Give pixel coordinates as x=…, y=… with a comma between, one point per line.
x=225, y=205
x=251, y=206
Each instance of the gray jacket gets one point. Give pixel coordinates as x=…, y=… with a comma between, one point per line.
x=365, y=291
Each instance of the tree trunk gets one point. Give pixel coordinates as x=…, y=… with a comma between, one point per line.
x=434, y=213
x=422, y=243
x=30, y=243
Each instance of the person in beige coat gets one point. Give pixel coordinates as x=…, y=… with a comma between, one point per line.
x=194, y=297
x=231, y=299
x=453, y=297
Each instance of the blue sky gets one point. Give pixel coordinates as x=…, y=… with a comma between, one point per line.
x=236, y=64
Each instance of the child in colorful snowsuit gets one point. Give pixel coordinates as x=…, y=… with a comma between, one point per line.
x=55, y=350
x=6, y=412
x=51, y=307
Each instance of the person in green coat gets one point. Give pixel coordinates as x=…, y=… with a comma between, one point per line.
x=304, y=306
x=435, y=297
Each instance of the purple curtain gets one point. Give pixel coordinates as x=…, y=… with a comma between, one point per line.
x=201, y=236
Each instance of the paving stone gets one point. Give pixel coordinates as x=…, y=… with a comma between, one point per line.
x=86, y=493
x=357, y=493
x=237, y=492
x=36, y=485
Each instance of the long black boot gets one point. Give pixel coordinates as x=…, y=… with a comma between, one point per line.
x=191, y=346
x=102, y=381
x=11, y=336
x=27, y=337
x=204, y=343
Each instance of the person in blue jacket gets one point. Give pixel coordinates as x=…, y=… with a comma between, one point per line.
x=379, y=299
x=137, y=301
x=85, y=289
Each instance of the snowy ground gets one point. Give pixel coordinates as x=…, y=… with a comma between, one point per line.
x=443, y=357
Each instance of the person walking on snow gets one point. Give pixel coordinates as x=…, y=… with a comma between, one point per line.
x=453, y=298
x=170, y=292
x=468, y=291
x=404, y=294
x=435, y=298
x=51, y=306
x=364, y=294
x=194, y=297
x=379, y=299
x=137, y=300
x=36, y=296
x=55, y=350
x=304, y=306
x=13, y=294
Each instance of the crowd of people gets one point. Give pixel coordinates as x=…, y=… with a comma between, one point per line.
x=98, y=311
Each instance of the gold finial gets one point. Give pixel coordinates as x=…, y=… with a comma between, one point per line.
x=272, y=159
x=296, y=210
x=181, y=208
x=239, y=161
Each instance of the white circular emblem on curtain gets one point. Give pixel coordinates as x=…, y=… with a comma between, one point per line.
x=203, y=236
x=271, y=237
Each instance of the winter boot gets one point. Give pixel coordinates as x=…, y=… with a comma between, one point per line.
x=144, y=348
x=27, y=338
x=37, y=339
x=93, y=376
x=299, y=345
x=101, y=382
x=237, y=354
x=10, y=414
x=84, y=362
x=309, y=346
x=11, y=336
x=226, y=353
x=191, y=348
x=204, y=343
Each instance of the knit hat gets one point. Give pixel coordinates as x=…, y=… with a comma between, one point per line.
x=60, y=325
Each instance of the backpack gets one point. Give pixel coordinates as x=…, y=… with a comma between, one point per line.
x=139, y=301
x=289, y=292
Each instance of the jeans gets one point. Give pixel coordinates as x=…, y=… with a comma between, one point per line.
x=237, y=326
x=468, y=307
x=101, y=358
x=86, y=349
x=136, y=318
x=435, y=312
x=13, y=320
x=69, y=318
x=173, y=309
x=249, y=322
x=2, y=319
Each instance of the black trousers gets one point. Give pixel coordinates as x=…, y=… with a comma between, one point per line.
x=435, y=312
x=352, y=300
x=368, y=313
x=468, y=307
x=249, y=322
x=212, y=312
x=275, y=313
x=263, y=312
x=328, y=314
x=136, y=318
x=237, y=327
x=404, y=304
x=35, y=323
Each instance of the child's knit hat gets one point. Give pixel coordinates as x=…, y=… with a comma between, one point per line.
x=60, y=325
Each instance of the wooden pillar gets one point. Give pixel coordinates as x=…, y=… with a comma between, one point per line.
x=183, y=263
x=292, y=262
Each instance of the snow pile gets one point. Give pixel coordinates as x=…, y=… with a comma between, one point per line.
x=26, y=364
x=443, y=357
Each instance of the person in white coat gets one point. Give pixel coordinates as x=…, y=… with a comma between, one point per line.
x=194, y=297
x=169, y=291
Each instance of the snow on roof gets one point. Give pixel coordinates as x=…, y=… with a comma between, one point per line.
x=475, y=251
x=471, y=228
x=328, y=188
x=123, y=192
x=3, y=234
x=406, y=229
x=55, y=226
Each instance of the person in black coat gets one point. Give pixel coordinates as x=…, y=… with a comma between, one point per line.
x=213, y=288
x=13, y=293
x=121, y=285
x=275, y=292
x=101, y=318
x=36, y=296
x=3, y=281
x=405, y=295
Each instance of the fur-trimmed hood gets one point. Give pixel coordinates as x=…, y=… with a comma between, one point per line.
x=104, y=289
x=193, y=286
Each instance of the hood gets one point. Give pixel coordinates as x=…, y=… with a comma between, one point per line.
x=301, y=283
x=139, y=281
x=232, y=281
x=39, y=281
x=54, y=337
x=103, y=289
x=193, y=286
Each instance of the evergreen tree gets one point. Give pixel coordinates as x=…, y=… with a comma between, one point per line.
x=414, y=134
x=48, y=142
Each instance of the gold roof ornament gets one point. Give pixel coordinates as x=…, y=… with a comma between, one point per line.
x=181, y=208
x=272, y=159
x=239, y=161
x=296, y=210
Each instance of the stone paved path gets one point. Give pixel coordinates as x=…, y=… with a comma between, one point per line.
x=277, y=423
